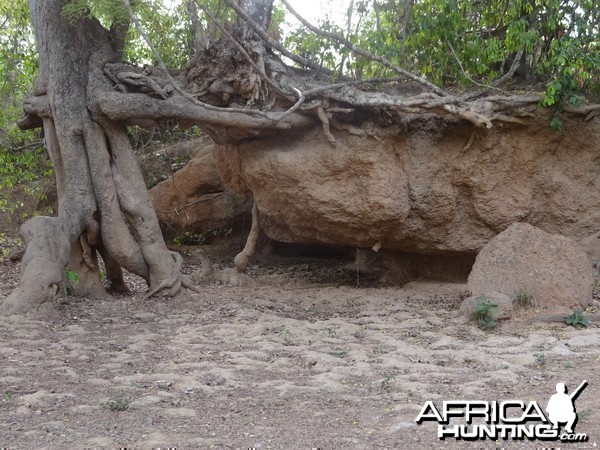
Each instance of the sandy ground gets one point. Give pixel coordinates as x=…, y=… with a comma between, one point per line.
x=303, y=359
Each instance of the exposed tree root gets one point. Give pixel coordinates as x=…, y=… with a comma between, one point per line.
x=243, y=258
x=172, y=285
x=236, y=276
x=469, y=143
x=46, y=254
x=325, y=121
x=208, y=274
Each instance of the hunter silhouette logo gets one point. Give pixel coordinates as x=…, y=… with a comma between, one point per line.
x=561, y=408
x=511, y=419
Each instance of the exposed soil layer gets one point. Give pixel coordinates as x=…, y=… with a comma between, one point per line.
x=305, y=358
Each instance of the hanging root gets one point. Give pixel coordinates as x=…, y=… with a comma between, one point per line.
x=172, y=285
x=326, y=128
x=469, y=143
x=243, y=258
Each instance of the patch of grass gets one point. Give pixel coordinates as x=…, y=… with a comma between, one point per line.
x=524, y=299
x=331, y=331
x=284, y=332
x=540, y=359
x=6, y=395
x=385, y=383
x=485, y=312
x=577, y=319
x=568, y=365
x=189, y=238
x=339, y=354
x=121, y=404
x=314, y=310
x=71, y=279
x=6, y=243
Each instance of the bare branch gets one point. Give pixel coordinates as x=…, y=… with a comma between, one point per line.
x=273, y=43
x=513, y=68
x=295, y=107
x=466, y=75
x=360, y=51
x=500, y=81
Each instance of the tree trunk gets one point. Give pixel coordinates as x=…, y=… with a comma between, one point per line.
x=103, y=203
x=259, y=10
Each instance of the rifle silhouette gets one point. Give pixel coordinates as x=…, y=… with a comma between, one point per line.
x=577, y=391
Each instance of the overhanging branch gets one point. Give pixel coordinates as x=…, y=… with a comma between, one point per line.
x=125, y=107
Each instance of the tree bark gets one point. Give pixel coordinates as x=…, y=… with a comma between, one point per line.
x=103, y=204
x=258, y=10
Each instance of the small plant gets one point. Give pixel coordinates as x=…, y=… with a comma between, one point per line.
x=71, y=278
x=6, y=395
x=331, y=331
x=339, y=354
x=577, y=319
x=284, y=332
x=120, y=404
x=189, y=238
x=485, y=313
x=540, y=359
x=385, y=383
x=524, y=299
x=314, y=310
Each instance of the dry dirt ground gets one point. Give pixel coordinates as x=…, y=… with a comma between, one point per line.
x=302, y=359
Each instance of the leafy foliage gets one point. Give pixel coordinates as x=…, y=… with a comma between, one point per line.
x=105, y=10
x=459, y=42
x=577, y=319
x=71, y=278
x=485, y=313
x=23, y=162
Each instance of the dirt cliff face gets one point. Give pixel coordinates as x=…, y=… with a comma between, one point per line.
x=423, y=186
x=194, y=199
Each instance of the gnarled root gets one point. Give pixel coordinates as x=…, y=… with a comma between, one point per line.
x=42, y=266
x=172, y=285
x=226, y=276
x=243, y=258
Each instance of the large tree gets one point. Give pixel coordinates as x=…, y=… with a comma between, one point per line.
x=235, y=87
